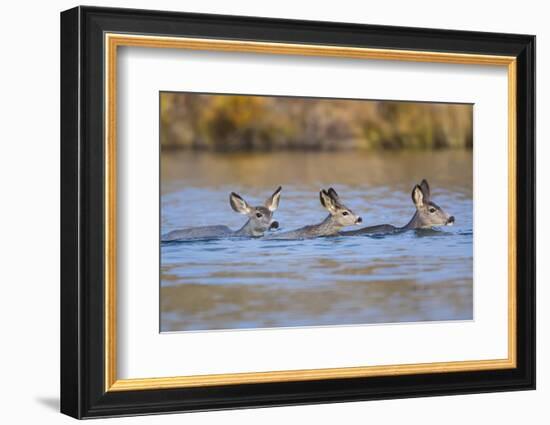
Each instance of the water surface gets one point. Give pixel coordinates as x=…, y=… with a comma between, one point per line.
x=259, y=283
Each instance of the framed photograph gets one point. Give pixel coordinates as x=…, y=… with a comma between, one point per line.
x=261, y=212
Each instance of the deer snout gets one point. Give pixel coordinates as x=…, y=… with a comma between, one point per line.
x=451, y=220
x=274, y=225
x=359, y=220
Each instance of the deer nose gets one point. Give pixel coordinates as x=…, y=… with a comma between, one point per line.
x=274, y=225
x=359, y=220
x=451, y=220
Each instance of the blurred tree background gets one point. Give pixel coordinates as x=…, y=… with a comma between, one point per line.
x=228, y=123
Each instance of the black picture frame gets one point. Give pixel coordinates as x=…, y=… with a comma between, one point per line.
x=83, y=392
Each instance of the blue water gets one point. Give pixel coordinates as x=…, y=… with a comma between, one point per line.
x=260, y=283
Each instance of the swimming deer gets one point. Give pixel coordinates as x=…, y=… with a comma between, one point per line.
x=428, y=214
x=339, y=216
x=260, y=219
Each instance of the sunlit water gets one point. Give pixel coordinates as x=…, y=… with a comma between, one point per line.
x=259, y=283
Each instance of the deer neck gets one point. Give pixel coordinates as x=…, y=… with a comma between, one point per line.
x=249, y=230
x=414, y=222
x=327, y=227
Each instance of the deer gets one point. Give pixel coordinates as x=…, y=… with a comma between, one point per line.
x=260, y=220
x=428, y=215
x=339, y=217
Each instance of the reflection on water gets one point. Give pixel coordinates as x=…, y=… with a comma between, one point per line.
x=255, y=283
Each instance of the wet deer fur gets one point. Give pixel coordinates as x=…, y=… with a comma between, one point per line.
x=339, y=217
x=260, y=219
x=427, y=215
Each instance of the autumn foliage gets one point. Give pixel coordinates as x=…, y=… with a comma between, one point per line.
x=228, y=123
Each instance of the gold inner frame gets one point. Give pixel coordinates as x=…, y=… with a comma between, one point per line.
x=113, y=41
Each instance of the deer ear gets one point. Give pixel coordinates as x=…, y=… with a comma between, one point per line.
x=272, y=202
x=425, y=190
x=327, y=201
x=332, y=193
x=418, y=196
x=238, y=204
x=322, y=198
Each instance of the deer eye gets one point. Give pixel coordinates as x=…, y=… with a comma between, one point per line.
x=432, y=210
x=259, y=215
x=345, y=213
